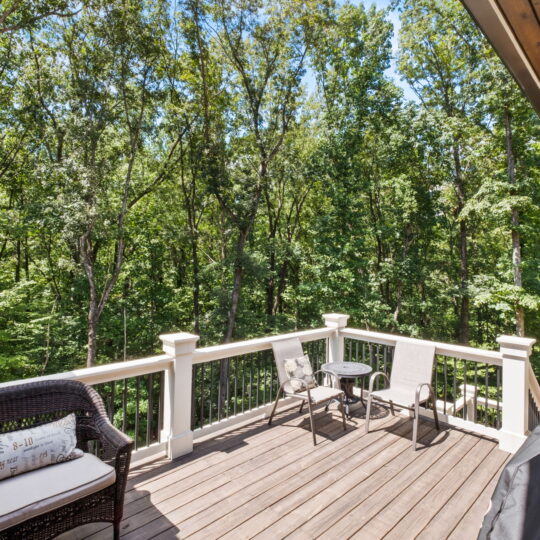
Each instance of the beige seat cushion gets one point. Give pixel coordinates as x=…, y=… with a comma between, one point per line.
x=401, y=396
x=42, y=490
x=319, y=394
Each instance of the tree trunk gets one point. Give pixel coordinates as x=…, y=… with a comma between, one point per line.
x=18, y=261
x=196, y=286
x=271, y=284
x=278, y=303
x=231, y=318
x=397, y=310
x=92, y=336
x=463, y=251
x=464, y=279
x=516, y=240
x=237, y=283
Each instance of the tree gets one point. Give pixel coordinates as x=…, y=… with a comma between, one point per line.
x=97, y=131
x=439, y=59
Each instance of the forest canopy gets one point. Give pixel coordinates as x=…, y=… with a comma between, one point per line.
x=237, y=168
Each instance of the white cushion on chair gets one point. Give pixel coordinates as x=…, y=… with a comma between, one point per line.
x=39, y=491
x=399, y=396
x=320, y=394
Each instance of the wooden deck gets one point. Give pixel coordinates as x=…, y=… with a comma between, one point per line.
x=270, y=482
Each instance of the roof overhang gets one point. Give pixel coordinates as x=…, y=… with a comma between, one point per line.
x=513, y=28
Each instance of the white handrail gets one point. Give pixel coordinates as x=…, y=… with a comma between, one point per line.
x=444, y=349
x=107, y=372
x=227, y=350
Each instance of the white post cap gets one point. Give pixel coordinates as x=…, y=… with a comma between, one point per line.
x=516, y=347
x=179, y=343
x=335, y=320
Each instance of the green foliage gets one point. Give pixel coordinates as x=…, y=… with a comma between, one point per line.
x=239, y=168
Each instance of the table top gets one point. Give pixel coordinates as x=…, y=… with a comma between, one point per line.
x=347, y=369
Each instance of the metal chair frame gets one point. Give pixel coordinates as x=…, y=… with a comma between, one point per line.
x=310, y=402
x=415, y=409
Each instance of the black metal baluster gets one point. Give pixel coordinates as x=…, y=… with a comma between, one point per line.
x=486, y=395
x=161, y=400
x=465, y=390
x=445, y=383
x=265, y=380
x=436, y=389
x=243, y=382
x=498, y=419
x=149, y=407
x=258, y=362
x=137, y=398
x=210, y=392
x=228, y=396
x=250, y=379
x=201, y=413
x=475, y=391
x=454, y=385
x=124, y=406
x=235, y=394
x=271, y=380
x=112, y=406
x=219, y=411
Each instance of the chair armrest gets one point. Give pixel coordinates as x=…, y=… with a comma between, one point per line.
x=374, y=376
x=419, y=389
x=327, y=373
x=114, y=442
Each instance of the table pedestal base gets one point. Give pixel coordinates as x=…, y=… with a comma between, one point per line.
x=347, y=385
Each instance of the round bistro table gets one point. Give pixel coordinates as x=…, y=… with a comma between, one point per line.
x=347, y=372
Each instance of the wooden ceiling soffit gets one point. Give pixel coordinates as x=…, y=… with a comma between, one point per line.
x=513, y=29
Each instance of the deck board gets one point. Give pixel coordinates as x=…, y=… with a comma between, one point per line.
x=271, y=482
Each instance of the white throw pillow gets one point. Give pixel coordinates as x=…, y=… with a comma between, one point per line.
x=28, y=449
x=300, y=368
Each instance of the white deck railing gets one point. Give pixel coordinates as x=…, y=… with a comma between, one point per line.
x=518, y=387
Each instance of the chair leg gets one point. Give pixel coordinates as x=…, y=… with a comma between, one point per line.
x=368, y=412
x=392, y=408
x=342, y=406
x=274, y=408
x=312, y=423
x=116, y=530
x=415, y=424
x=435, y=414
x=301, y=407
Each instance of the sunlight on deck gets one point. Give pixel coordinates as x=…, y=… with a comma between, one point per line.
x=270, y=482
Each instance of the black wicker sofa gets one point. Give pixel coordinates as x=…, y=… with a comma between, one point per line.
x=46, y=502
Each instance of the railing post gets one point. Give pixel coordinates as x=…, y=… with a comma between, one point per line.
x=177, y=399
x=336, y=342
x=515, y=353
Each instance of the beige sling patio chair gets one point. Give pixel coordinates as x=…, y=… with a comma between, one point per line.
x=409, y=384
x=290, y=361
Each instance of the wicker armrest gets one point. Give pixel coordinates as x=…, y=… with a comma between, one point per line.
x=112, y=438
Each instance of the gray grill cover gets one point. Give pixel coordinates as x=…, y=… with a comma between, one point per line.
x=515, y=503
